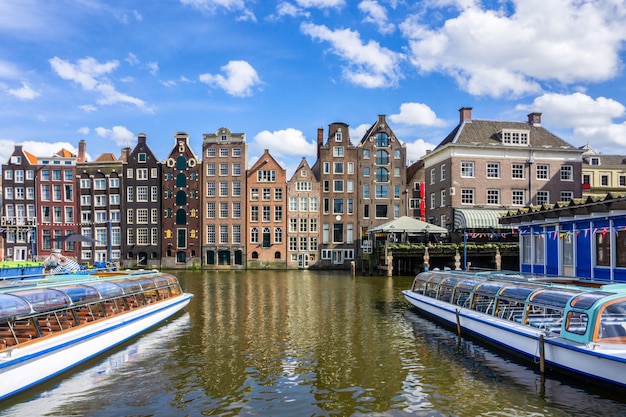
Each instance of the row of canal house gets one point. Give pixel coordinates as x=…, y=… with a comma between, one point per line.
x=213, y=211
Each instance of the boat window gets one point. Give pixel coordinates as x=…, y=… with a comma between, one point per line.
x=576, y=322
x=489, y=288
x=80, y=293
x=509, y=309
x=545, y=317
x=420, y=283
x=483, y=303
x=43, y=298
x=585, y=301
x=447, y=287
x=557, y=297
x=517, y=292
x=128, y=286
x=613, y=320
x=145, y=282
x=107, y=289
x=12, y=306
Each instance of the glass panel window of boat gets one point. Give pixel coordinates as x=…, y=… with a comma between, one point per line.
x=577, y=322
x=613, y=320
x=553, y=297
x=419, y=284
x=145, y=282
x=106, y=289
x=446, y=289
x=483, y=303
x=11, y=306
x=43, y=298
x=586, y=300
x=128, y=286
x=80, y=294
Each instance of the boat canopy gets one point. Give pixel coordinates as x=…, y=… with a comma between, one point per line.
x=517, y=292
x=586, y=300
x=557, y=297
x=24, y=301
x=489, y=288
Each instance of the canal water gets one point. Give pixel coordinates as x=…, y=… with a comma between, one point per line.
x=303, y=343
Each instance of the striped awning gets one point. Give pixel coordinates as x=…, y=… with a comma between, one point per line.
x=478, y=219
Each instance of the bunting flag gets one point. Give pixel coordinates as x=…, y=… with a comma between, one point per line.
x=554, y=234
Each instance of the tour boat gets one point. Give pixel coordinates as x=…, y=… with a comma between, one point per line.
x=50, y=325
x=580, y=329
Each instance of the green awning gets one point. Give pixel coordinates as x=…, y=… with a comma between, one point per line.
x=478, y=219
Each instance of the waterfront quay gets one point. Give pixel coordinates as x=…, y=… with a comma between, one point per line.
x=314, y=343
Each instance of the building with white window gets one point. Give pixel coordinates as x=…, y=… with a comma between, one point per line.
x=483, y=168
x=266, y=184
x=303, y=216
x=223, y=210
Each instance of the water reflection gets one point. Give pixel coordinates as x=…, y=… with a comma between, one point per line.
x=304, y=343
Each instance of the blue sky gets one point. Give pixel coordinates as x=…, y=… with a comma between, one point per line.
x=105, y=71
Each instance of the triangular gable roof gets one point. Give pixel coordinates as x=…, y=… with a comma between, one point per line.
x=32, y=159
x=106, y=157
x=64, y=153
x=303, y=164
x=262, y=161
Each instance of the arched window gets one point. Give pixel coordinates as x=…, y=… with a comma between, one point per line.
x=181, y=180
x=382, y=158
x=382, y=140
x=254, y=235
x=277, y=255
x=255, y=255
x=181, y=198
x=181, y=163
x=382, y=175
x=181, y=216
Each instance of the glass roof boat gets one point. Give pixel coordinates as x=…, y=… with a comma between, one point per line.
x=578, y=328
x=50, y=325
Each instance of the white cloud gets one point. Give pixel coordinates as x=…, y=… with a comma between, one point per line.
x=369, y=65
x=288, y=9
x=286, y=142
x=417, y=114
x=153, y=67
x=83, y=130
x=321, y=4
x=88, y=108
x=357, y=133
x=118, y=134
x=132, y=59
x=417, y=149
x=211, y=6
x=8, y=70
x=575, y=110
x=592, y=120
x=239, y=81
x=377, y=15
x=91, y=76
x=24, y=93
x=490, y=52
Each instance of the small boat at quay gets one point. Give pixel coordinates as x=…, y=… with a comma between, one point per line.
x=577, y=328
x=50, y=325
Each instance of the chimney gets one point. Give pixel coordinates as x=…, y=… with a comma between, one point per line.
x=82, y=150
x=320, y=140
x=125, y=154
x=382, y=119
x=534, y=119
x=141, y=138
x=465, y=114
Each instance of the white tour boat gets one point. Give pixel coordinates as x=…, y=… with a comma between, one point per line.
x=580, y=328
x=53, y=324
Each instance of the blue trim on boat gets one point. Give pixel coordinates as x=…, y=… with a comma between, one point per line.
x=12, y=363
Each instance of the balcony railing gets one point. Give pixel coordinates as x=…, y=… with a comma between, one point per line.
x=17, y=221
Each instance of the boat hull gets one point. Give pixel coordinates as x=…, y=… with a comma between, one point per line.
x=24, y=367
x=602, y=362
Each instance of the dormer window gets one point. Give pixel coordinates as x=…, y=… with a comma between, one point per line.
x=594, y=161
x=514, y=137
